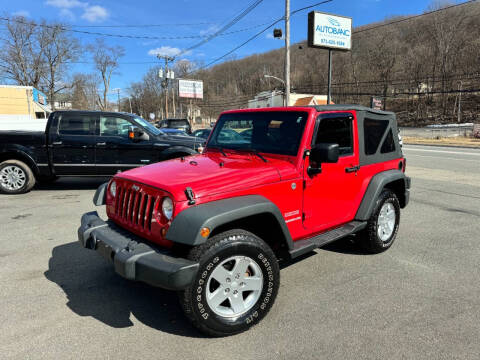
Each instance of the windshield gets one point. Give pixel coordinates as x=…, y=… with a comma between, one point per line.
x=178, y=123
x=275, y=132
x=146, y=125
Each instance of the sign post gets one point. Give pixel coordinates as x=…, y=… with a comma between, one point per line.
x=332, y=32
x=192, y=89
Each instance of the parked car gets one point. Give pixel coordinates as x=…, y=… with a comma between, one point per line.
x=181, y=124
x=223, y=219
x=85, y=143
x=174, y=132
x=202, y=133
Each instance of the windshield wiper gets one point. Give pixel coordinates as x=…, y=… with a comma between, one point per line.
x=219, y=149
x=255, y=152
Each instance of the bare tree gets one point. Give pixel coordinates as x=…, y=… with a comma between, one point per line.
x=21, y=53
x=84, y=91
x=58, y=50
x=106, y=62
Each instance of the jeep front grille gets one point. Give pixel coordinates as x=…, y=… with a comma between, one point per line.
x=134, y=206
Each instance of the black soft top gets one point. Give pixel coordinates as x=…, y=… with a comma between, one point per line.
x=340, y=107
x=366, y=115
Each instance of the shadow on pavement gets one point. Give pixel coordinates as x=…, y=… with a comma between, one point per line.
x=347, y=246
x=73, y=183
x=93, y=289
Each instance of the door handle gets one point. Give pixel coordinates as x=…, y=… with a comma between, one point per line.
x=57, y=143
x=352, y=169
x=101, y=144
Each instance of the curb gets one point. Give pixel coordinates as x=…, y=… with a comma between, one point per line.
x=444, y=145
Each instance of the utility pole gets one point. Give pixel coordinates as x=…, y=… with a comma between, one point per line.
x=173, y=98
x=329, y=91
x=165, y=81
x=118, y=99
x=130, y=102
x=287, y=52
x=459, y=119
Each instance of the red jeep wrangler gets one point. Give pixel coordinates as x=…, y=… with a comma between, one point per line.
x=271, y=184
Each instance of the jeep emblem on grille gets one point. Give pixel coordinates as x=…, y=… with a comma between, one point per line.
x=135, y=188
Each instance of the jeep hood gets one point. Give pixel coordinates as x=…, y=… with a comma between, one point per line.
x=207, y=174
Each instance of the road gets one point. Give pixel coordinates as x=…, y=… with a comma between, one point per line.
x=419, y=300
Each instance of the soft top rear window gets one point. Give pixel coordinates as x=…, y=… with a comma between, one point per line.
x=373, y=133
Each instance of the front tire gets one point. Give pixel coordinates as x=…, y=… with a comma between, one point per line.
x=236, y=285
x=383, y=224
x=16, y=177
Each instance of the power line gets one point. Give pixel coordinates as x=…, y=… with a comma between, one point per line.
x=143, y=25
x=138, y=37
x=413, y=17
x=232, y=22
x=258, y=34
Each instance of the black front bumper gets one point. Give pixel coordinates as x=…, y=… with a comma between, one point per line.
x=132, y=257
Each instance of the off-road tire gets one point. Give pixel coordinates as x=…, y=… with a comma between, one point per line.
x=29, y=177
x=369, y=238
x=219, y=248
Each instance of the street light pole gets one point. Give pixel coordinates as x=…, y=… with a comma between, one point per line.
x=287, y=52
x=284, y=86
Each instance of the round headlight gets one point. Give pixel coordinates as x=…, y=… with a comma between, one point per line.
x=167, y=207
x=113, y=188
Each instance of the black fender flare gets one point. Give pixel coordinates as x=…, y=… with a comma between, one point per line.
x=21, y=153
x=375, y=187
x=186, y=226
x=177, y=150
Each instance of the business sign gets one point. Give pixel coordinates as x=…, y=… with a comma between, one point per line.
x=190, y=89
x=329, y=31
x=376, y=103
x=39, y=97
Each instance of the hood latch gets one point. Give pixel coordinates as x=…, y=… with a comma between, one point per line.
x=190, y=195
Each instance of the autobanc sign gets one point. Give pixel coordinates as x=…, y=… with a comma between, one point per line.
x=329, y=31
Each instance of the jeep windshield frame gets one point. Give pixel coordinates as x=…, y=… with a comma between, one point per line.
x=271, y=132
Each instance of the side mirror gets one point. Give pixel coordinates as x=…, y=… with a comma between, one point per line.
x=136, y=134
x=322, y=153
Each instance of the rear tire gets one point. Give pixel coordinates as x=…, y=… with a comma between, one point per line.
x=382, y=226
x=236, y=285
x=16, y=177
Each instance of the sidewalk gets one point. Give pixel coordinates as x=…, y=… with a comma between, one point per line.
x=448, y=142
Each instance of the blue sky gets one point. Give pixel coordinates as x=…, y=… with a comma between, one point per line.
x=191, y=18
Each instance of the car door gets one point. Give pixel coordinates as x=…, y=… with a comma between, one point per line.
x=114, y=151
x=329, y=197
x=72, y=144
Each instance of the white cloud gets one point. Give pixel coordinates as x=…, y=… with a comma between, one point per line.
x=66, y=4
x=95, y=13
x=164, y=50
x=67, y=14
x=269, y=36
x=91, y=13
x=210, y=30
x=23, y=13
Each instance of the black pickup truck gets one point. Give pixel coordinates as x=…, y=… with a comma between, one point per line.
x=85, y=143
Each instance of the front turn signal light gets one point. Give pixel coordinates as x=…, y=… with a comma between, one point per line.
x=204, y=232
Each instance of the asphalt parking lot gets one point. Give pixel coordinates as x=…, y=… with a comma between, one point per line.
x=419, y=300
